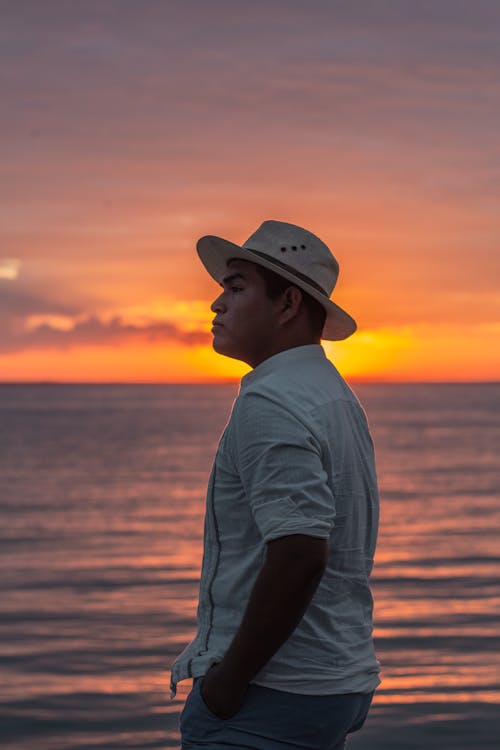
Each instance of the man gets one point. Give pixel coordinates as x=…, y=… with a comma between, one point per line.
x=283, y=656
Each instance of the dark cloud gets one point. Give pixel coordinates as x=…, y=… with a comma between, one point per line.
x=92, y=331
x=17, y=300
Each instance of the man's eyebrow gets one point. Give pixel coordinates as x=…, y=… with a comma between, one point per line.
x=231, y=277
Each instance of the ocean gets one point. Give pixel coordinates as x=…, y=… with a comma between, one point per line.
x=102, y=491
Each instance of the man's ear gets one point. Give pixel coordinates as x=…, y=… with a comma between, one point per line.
x=292, y=297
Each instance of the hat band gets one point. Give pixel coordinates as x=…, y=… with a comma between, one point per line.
x=293, y=271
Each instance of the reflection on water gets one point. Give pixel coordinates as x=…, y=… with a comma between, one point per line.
x=101, y=494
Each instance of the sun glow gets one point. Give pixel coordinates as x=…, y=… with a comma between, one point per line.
x=386, y=354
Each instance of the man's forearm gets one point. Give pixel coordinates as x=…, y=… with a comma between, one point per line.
x=281, y=594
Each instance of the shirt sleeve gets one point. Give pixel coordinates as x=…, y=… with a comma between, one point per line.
x=279, y=462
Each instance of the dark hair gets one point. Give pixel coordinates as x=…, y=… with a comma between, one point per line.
x=276, y=285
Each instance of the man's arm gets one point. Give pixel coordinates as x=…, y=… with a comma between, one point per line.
x=284, y=587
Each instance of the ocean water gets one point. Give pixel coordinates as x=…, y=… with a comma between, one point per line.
x=102, y=491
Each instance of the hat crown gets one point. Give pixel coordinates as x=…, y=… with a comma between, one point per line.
x=298, y=249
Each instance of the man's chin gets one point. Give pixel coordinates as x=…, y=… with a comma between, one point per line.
x=225, y=350
x=219, y=347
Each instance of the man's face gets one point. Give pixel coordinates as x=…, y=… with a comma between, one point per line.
x=245, y=323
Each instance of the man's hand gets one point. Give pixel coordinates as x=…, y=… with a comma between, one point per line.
x=281, y=594
x=222, y=697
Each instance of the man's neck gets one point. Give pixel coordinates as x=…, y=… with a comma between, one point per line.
x=281, y=347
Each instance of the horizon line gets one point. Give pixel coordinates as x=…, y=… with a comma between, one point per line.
x=233, y=381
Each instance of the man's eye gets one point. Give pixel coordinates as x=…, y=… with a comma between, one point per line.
x=236, y=289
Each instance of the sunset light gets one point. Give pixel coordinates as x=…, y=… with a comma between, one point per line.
x=128, y=144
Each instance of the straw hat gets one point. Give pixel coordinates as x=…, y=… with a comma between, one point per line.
x=291, y=252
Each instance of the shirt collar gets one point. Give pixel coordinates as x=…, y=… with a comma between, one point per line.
x=285, y=359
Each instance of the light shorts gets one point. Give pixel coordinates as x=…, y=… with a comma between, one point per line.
x=274, y=720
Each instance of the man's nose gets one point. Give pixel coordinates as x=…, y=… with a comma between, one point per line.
x=218, y=305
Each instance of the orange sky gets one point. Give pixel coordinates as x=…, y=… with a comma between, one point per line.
x=134, y=129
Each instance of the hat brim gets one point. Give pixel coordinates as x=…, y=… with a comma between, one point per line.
x=216, y=252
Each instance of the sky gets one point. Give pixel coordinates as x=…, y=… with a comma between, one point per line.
x=132, y=127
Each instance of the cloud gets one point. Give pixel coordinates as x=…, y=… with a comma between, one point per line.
x=18, y=300
x=33, y=320
x=94, y=332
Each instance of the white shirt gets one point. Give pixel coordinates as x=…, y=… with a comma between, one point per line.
x=295, y=457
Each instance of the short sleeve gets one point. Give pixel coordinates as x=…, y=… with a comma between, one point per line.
x=279, y=463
